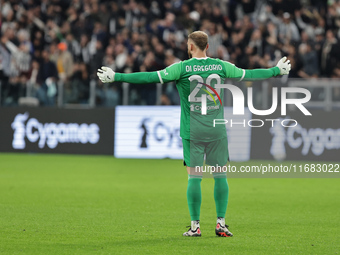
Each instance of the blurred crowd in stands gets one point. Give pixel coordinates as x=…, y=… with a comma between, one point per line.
x=47, y=42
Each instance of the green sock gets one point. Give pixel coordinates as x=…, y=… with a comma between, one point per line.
x=221, y=192
x=194, y=196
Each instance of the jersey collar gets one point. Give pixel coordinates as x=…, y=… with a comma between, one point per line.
x=201, y=58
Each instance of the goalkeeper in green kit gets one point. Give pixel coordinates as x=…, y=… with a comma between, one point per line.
x=196, y=80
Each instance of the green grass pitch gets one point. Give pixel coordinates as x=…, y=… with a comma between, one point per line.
x=64, y=204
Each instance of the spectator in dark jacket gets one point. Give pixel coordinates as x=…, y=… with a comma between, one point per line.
x=47, y=79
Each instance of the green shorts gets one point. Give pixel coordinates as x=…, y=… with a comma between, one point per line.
x=216, y=152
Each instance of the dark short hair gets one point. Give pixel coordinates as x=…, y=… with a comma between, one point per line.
x=200, y=39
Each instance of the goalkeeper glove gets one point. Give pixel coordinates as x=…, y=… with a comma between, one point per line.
x=106, y=74
x=284, y=66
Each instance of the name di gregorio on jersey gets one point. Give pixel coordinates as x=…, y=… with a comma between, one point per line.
x=201, y=68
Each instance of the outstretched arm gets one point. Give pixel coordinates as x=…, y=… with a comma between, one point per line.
x=139, y=78
x=171, y=73
x=282, y=67
x=106, y=74
x=261, y=74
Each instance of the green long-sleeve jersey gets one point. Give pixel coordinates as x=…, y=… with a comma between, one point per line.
x=195, y=77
